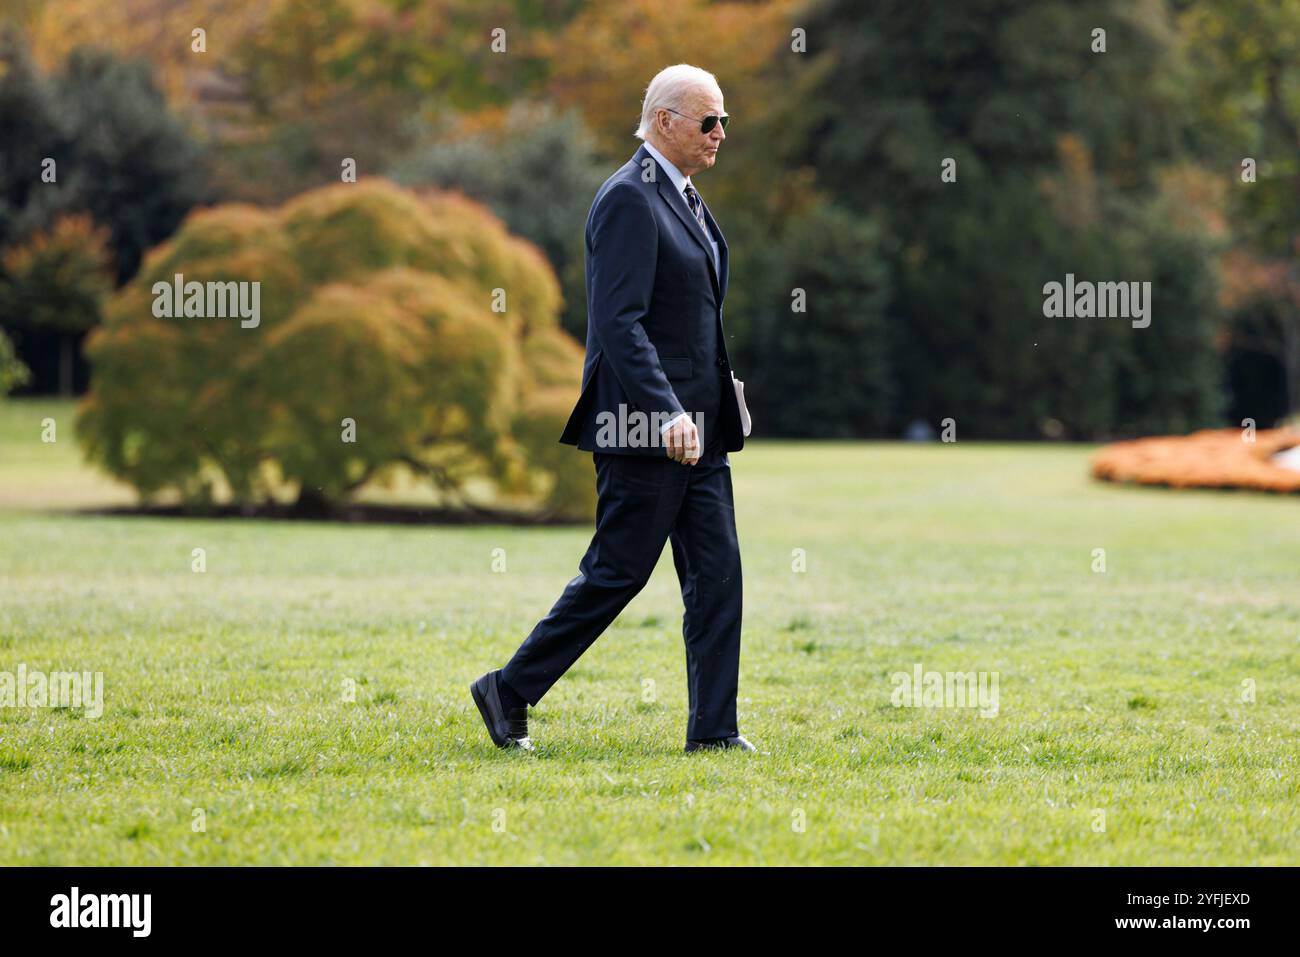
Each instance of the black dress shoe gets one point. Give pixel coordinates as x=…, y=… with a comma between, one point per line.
x=507, y=729
x=720, y=744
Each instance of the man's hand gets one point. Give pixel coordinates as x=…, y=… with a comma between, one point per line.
x=683, y=441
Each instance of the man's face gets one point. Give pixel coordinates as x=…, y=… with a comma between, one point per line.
x=685, y=146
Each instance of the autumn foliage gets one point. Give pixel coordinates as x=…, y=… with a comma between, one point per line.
x=397, y=331
x=1211, y=458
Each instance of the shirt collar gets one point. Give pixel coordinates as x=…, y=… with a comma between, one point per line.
x=673, y=172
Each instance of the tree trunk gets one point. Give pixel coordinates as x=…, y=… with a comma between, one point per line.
x=312, y=504
x=1291, y=357
x=66, y=355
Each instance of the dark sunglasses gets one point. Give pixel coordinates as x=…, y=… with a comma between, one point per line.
x=707, y=123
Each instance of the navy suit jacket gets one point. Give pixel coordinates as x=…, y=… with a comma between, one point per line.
x=651, y=290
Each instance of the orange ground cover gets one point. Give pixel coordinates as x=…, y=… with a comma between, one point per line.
x=1211, y=458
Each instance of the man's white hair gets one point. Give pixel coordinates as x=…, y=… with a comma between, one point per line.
x=669, y=89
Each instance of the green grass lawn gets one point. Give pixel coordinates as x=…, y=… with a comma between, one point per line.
x=225, y=691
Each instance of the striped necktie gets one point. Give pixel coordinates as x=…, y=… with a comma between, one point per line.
x=697, y=206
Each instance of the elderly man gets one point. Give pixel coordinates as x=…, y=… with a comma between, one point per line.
x=659, y=412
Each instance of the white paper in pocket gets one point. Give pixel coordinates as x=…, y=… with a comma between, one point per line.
x=740, y=403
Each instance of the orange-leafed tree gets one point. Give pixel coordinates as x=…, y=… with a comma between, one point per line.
x=58, y=279
x=395, y=330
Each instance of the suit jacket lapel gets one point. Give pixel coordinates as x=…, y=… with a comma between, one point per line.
x=693, y=227
x=677, y=203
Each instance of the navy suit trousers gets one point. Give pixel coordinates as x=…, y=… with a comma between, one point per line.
x=641, y=503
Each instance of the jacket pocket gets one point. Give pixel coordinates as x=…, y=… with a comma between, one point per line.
x=676, y=367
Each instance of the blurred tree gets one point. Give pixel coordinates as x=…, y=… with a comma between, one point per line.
x=133, y=165
x=1058, y=153
x=58, y=280
x=94, y=139
x=538, y=173
x=34, y=127
x=159, y=31
x=376, y=314
x=1263, y=293
x=820, y=369
x=605, y=58
x=12, y=372
x=438, y=50
x=1248, y=98
x=323, y=80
